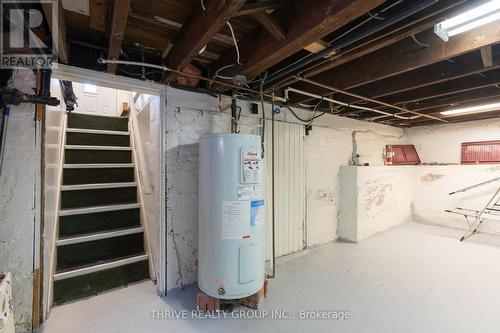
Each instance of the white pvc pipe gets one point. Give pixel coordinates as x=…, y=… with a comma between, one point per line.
x=359, y=107
x=133, y=63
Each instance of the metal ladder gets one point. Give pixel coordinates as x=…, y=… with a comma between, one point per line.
x=491, y=210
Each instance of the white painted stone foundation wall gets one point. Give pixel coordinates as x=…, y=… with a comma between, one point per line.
x=442, y=144
x=433, y=183
x=373, y=200
x=329, y=145
x=17, y=210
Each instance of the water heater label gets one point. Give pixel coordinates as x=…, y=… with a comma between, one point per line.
x=257, y=212
x=251, y=166
x=249, y=192
x=235, y=219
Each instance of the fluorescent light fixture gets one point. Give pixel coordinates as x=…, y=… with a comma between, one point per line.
x=469, y=20
x=473, y=109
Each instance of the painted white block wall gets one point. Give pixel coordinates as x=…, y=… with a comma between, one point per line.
x=433, y=183
x=17, y=210
x=442, y=143
x=374, y=199
x=329, y=145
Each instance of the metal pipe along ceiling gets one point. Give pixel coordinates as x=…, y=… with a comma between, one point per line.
x=419, y=6
x=305, y=93
x=324, y=86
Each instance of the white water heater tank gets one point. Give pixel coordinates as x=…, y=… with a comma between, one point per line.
x=231, y=216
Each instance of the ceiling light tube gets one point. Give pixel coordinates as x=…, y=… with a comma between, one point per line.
x=473, y=109
x=468, y=20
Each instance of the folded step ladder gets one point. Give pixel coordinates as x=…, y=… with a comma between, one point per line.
x=475, y=218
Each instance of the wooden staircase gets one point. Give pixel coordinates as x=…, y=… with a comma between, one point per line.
x=100, y=244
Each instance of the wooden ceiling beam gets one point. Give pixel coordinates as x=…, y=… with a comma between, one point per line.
x=270, y=24
x=440, y=73
x=304, y=21
x=406, y=56
x=427, y=20
x=465, y=87
x=464, y=118
x=259, y=7
x=426, y=76
x=455, y=99
x=98, y=14
x=460, y=85
x=437, y=111
x=175, y=26
x=487, y=56
x=59, y=30
x=200, y=27
x=119, y=18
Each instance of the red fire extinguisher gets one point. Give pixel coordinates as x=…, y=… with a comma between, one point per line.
x=389, y=155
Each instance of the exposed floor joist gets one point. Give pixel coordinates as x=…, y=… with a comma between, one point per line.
x=437, y=73
x=460, y=85
x=58, y=30
x=98, y=14
x=426, y=21
x=405, y=56
x=259, y=7
x=311, y=21
x=412, y=90
x=273, y=27
x=119, y=17
x=201, y=26
x=487, y=56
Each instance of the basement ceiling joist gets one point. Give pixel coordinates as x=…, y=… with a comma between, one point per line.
x=444, y=71
x=272, y=34
x=119, y=16
x=461, y=74
x=303, y=21
x=201, y=26
x=424, y=21
x=405, y=56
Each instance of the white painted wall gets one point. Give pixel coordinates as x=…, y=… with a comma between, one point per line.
x=329, y=145
x=149, y=125
x=442, y=143
x=17, y=210
x=105, y=101
x=433, y=183
x=374, y=199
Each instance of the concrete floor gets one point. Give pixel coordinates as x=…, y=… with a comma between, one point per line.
x=414, y=278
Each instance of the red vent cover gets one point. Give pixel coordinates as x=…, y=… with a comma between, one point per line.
x=482, y=152
x=404, y=154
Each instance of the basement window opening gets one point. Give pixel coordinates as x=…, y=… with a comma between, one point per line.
x=404, y=154
x=481, y=152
